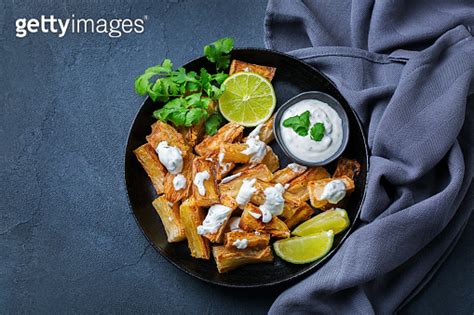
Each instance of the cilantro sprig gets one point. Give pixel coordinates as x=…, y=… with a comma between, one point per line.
x=300, y=124
x=213, y=123
x=187, y=94
x=218, y=52
x=317, y=131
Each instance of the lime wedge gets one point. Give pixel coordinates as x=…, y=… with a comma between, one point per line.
x=335, y=220
x=248, y=99
x=304, y=249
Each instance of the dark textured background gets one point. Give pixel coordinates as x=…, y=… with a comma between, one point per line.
x=68, y=240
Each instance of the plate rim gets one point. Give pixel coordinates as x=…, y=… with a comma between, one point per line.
x=299, y=274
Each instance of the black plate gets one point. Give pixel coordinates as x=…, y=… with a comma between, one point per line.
x=292, y=77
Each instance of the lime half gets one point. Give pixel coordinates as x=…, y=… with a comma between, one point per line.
x=304, y=249
x=335, y=220
x=248, y=99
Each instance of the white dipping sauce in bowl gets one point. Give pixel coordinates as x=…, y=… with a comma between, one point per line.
x=305, y=148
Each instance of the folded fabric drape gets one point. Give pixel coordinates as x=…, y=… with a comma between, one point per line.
x=407, y=69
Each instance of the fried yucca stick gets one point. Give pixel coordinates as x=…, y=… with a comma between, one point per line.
x=249, y=222
x=292, y=204
x=229, y=259
x=347, y=167
x=226, y=134
x=303, y=213
x=259, y=171
x=254, y=240
x=232, y=152
x=192, y=135
x=161, y=131
x=191, y=217
x=148, y=158
x=222, y=169
x=287, y=174
x=230, y=190
x=195, y=133
x=218, y=237
x=265, y=133
x=211, y=191
x=270, y=160
x=171, y=193
x=169, y=215
x=316, y=188
x=298, y=186
x=242, y=66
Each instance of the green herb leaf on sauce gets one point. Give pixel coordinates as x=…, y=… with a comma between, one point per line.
x=299, y=123
x=317, y=131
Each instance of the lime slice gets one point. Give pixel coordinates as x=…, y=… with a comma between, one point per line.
x=248, y=99
x=335, y=220
x=304, y=249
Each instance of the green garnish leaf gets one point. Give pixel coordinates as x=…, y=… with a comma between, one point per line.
x=299, y=123
x=213, y=123
x=187, y=94
x=194, y=116
x=218, y=52
x=317, y=131
x=220, y=77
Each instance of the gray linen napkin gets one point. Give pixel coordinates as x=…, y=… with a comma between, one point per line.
x=407, y=68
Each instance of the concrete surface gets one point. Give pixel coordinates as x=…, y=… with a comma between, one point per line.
x=69, y=242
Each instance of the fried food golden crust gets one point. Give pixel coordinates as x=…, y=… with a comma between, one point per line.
x=229, y=259
x=218, y=237
x=253, y=239
x=191, y=217
x=316, y=188
x=171, y=193
x=270, y=159
x=226, y=134
x=287, y=174
x=229, y=190
x=242, y=66
x=194, y=134
x=347, y=167
x=161, y=131
x=248, y=222
x=232, y=152
x=211, y=192
x=292, y=204
x=266, y=131
x=303, y=213
x=169, y=215
x=147, y=157
x=298, y=186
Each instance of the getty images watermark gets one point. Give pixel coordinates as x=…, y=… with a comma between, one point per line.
x=114, y=28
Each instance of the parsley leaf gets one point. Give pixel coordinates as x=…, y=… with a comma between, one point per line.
x=186, y=111
x=299, y=123
x=220, y=77
x=218, y=52
x=213, y=123
x=195, y=116
x=317, y=131
x=187, y=95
